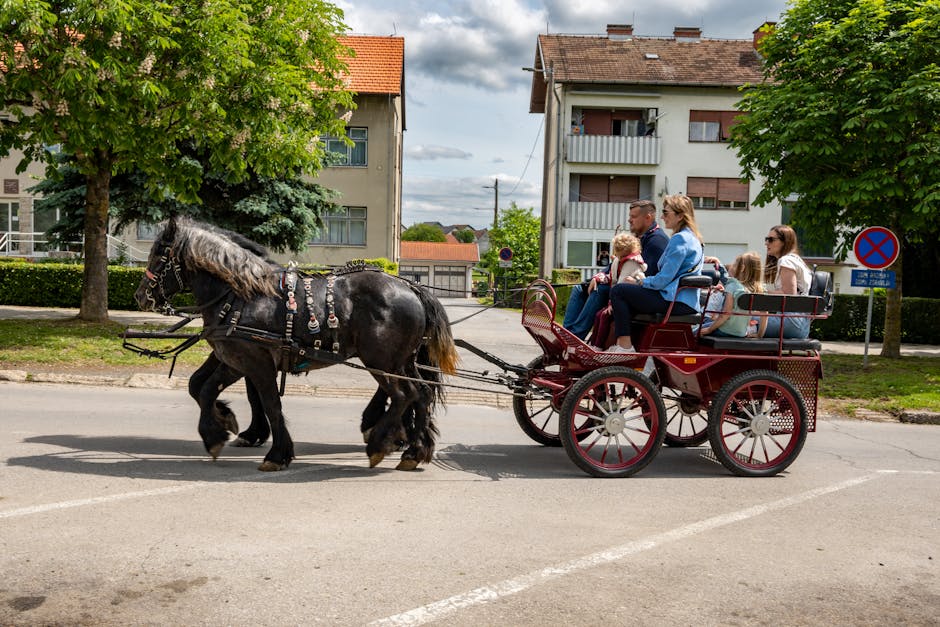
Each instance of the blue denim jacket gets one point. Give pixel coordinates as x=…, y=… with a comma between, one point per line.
x=683, y=255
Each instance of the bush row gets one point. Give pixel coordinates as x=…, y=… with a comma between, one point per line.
x=60, y=284
x=920, y=320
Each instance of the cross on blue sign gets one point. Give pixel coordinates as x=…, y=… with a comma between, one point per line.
x=876, y=247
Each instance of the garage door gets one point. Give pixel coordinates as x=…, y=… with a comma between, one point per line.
x=450, y=281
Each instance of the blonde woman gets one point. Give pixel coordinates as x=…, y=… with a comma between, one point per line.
x=654, y=294
x=732, y=321
x=785, y=272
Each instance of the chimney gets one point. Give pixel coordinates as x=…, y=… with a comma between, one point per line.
x=687, y=33
x=762, y=31
x=619, y=31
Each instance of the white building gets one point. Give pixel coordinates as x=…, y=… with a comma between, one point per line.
x=630, y=118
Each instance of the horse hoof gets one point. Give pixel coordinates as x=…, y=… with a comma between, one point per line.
x=366, y=434
x=375, y=459
x=215, y=450
x=267, y=466
x=407, y=464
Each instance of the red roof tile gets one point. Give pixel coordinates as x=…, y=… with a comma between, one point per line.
x=378, y=66
x=439, y=251
x=644, y=61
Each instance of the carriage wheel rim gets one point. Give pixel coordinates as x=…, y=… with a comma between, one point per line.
x=753, y=430
x=615, y=427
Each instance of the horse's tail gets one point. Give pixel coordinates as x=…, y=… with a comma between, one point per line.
x=440, y=343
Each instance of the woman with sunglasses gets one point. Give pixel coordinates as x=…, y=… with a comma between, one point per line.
x=684, y=255
x=786, y=273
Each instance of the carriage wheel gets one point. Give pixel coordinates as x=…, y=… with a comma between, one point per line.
x=612, y=422
x=757, y=424
x=686, y=418
x=538, y=417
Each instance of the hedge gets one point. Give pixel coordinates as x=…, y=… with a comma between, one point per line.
x=60, y=284
x=920, y=320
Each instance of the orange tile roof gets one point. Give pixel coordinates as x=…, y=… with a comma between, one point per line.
x=378, y=66
x=439, y=251
x=643, y=61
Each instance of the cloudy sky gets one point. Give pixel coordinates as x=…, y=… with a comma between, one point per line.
x=467, y=97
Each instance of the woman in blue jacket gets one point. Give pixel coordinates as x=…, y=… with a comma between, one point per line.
x=683, y=255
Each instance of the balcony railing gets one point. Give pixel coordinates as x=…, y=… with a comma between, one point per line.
x=614, y=149
x=604, y=216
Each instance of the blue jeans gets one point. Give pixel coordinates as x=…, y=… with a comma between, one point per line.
x=582, y=307
x=796, y=328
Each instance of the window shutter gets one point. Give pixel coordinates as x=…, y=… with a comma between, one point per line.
x=596, y=122
x=701, y=186
x=593, y=188
x=628, y=114
x=624, y=188
x=733, y=190
x=704, y=116
x=11, y=186
x=729, y=119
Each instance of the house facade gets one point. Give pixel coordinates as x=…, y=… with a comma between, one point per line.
x=630, y=118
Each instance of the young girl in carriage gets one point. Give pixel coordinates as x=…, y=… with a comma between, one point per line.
x=722, y=316
x=627, y=262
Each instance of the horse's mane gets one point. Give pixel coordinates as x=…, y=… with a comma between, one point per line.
x=233, y=258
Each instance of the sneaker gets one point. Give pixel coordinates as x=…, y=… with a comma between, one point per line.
x=617, y=348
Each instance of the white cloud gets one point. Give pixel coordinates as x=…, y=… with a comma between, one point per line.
x=432, y=152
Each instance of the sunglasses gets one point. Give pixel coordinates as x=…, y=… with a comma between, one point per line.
x=665, y=211
x=767, y=240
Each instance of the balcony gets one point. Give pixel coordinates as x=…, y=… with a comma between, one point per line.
x=602, y=216
x=614, y=149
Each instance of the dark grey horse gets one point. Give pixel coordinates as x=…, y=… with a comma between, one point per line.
x=388, y=323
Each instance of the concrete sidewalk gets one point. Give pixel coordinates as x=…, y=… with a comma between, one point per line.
x=496, y=331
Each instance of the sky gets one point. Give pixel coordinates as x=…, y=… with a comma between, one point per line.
x=467, y=96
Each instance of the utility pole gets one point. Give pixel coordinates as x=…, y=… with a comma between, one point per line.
x=495, y=188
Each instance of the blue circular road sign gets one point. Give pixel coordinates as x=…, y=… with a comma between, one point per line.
x=876, y=247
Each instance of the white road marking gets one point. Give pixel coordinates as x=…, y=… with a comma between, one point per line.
x=440, y=609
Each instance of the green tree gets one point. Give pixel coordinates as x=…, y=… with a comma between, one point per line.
x=848, y=119
x=280, y=213
x=519, y=229
x=423, y=232
x=121, y=84
x=465, y=236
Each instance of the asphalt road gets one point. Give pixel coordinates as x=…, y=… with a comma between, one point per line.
x=111, y=514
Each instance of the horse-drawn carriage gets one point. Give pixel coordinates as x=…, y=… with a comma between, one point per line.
x=753, y=399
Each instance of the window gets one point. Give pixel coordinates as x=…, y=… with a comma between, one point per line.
x=347, y=227
x=601, y=188
x=354, y=155
x=147, y=231
x=580, y=254
x=717, y=193
x=711, y=126
x=619, y=122
x=418, y=274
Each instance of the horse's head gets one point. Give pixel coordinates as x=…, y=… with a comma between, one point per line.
x=165, y=273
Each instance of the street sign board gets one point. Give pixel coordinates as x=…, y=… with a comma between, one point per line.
x=876, y=247
x=873, y=278
x=505, y=264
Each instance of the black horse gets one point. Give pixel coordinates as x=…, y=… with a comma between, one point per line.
x=261, y=319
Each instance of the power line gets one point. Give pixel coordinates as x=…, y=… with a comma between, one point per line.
x=531, y=153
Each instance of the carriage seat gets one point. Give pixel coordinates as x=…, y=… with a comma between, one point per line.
x=698, y=281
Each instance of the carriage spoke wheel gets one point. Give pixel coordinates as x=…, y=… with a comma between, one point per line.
x=612, y=422
x=757, y=424
x=686, y=417
x=537, y=415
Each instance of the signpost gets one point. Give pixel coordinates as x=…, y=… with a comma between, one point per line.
x=876, y=248
x=505, y=261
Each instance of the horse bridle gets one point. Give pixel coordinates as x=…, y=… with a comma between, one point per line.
x=168, y=264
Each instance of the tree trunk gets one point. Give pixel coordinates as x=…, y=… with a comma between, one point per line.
x=95, y=285
x=892, y=331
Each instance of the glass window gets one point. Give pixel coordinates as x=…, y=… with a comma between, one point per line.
x=347, y=227
x=580, y=254
x=704, y=131
x=355, y=155
x=146, y=231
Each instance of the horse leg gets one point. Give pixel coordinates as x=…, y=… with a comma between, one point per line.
x=373, y=413
x=258, y=431
x=213, y=434
x=389, y=432
x=419, y=427
x=222, y=412
x=282, y=446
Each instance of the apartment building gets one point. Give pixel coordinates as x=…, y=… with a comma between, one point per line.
x=629, y=118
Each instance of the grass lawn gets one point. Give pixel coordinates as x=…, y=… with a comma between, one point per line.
x=888, y=385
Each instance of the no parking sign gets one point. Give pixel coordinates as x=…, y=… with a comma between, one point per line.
x=876, y=247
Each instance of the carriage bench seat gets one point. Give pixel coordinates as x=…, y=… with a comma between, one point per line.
x=696, y=281
x=755, y=345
